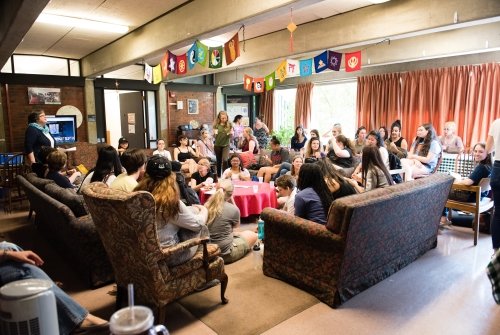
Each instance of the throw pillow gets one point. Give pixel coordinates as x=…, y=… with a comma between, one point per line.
x=247, y=159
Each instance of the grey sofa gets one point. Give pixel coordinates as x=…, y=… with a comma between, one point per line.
x=61, y=215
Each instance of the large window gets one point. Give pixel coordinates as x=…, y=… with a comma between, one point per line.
x=332, y=103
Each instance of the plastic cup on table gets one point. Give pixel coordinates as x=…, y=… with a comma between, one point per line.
x=271, y=183
x=261, y=179
x=255, y=188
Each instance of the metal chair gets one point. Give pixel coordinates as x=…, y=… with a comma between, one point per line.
x=11, y=165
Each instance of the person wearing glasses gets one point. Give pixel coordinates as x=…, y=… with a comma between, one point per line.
x=286, y=190
x=450, y=142
x=236, y=171
x=37, y=136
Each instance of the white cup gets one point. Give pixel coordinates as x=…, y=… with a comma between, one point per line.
x=209, y=181
x=121, y=322
x=271, y=183
x=261, y=179
x=255, y=188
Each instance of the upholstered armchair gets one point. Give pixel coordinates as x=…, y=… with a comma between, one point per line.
x=127, y=226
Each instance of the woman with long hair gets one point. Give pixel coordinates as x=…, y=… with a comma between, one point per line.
x=395, y=143
x=261, y=132
x=250, y=143
x=424, y=153
x=175, y=221
x=296, y=164
x=337, y=184
x=205, y=146
x=314, y=150
x=185, y=154
x=238, y=127
x=383, y=133
x=313, y=199
x=374, y=172
x=236, y=171
x=298, y=139
x=107, y=167
x=359, y=140
x=341, y=152
x=223, y=130
x=223, y=217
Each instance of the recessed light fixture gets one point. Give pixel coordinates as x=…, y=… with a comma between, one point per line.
x=81, y=23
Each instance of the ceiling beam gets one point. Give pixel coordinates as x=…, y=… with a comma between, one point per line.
x=16, y=18
x=198, y=19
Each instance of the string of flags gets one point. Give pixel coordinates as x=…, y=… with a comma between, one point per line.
x=328, y=59
x=198, y=53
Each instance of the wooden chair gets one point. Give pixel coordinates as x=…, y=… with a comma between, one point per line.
x=477, y=207
x=126, y=224
x=11, y=165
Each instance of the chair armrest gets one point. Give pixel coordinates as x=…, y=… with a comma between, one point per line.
x=469, y=188
x=169, y=251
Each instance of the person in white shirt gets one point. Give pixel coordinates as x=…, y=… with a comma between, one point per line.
x=286, y=190
x=134, y=162
x=236, y=171
x=160, y=145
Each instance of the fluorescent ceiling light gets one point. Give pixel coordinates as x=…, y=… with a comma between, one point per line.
x=81, y=23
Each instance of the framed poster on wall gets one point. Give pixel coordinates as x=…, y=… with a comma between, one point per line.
x=192, y=106
x=44, y=96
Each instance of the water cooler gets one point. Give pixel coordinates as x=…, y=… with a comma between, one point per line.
x=28, y=307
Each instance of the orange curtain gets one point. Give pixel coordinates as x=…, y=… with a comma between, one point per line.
x=467, y=95
x=266, y=108
x=303, y=101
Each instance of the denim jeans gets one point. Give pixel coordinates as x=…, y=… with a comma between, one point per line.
x=283, y=169
x=69, y=313
x=495, y=187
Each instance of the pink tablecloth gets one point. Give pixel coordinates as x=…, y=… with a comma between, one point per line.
x=248, y=201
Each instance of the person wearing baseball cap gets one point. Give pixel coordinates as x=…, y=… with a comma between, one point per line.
x=175, y=221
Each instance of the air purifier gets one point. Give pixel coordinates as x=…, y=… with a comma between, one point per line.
x=28, y=307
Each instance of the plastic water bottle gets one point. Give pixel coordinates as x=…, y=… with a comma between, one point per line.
x=260, y=229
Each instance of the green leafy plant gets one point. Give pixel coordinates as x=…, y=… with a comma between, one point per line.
x=284, y=134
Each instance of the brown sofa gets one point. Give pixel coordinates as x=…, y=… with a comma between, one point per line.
x=61, y=215
x=368, y=237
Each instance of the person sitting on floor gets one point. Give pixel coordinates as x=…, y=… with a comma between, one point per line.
x=313, y=199
x=185, y=155
x=223, y=217
x=286, y=190
x=236, y=171
x=134, y=162
x=199, y=178
x=279, y=155
x=374, y=172
x=175, y=221
x=72, y=318
x=107, y=167
x=56, y=162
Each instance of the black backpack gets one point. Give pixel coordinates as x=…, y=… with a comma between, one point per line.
x=395, y=163
x=188, y=195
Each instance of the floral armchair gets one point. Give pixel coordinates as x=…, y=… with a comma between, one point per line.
x=126, y=223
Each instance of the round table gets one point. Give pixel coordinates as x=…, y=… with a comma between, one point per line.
x=250, y=201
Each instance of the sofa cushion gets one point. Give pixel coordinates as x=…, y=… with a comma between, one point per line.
x=38, y=182
x=68, y=197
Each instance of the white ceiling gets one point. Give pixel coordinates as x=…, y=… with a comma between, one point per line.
x=70, y=42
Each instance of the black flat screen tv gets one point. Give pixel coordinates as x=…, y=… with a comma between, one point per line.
x=62, y=128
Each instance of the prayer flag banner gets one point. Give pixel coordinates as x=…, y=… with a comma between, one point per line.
x=148, y=73
x=353, y=61
x=215, y=60
x=232, y=49
x=334, y=60
x=181, y=64
x=157, y=74
x=281, y=71
x=292, y=68
x=320, y=62
x=247, y=83
x=164, y=65
x=270, y=81
x=192, y=56
x=202, y=53
x=306, y=67
x=258, y=85
x=172, y=62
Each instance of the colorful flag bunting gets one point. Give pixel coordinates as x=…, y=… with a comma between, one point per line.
x=181, y=64
x=334, y=60
x=281, y=71
x=247, y=83
x=148, y=73
x=215, y=59
x=202, y=53
x=172, y=62
x=258, y=85
x=270, y=81
x=232, y=49
x=292, y=68
x=157, y=74
x=306, y=67
x=164, y=65
x=353, y=61
x=192, y=56
x=321, y=62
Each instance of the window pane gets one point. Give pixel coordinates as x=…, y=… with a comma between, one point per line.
x=74, y=67
x=334, y=103
x=7, y=68
x=40, y=65
x=284, y=108
x=152, y=118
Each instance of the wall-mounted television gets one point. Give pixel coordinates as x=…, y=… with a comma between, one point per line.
x=62, y=128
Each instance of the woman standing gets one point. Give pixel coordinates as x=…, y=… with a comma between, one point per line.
x=397, y=144
x=175, y=222
x=298, y=139
x=261, y=132
x=374, y=172
x=223, y=130
x=37, y=136
x=493, y=143
x=160, y=149
x=223, y=217
x=238, y=131
x=185, y=154
x=236, y=171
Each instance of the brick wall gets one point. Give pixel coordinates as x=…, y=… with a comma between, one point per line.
x=206, y=114
x=19, y=109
